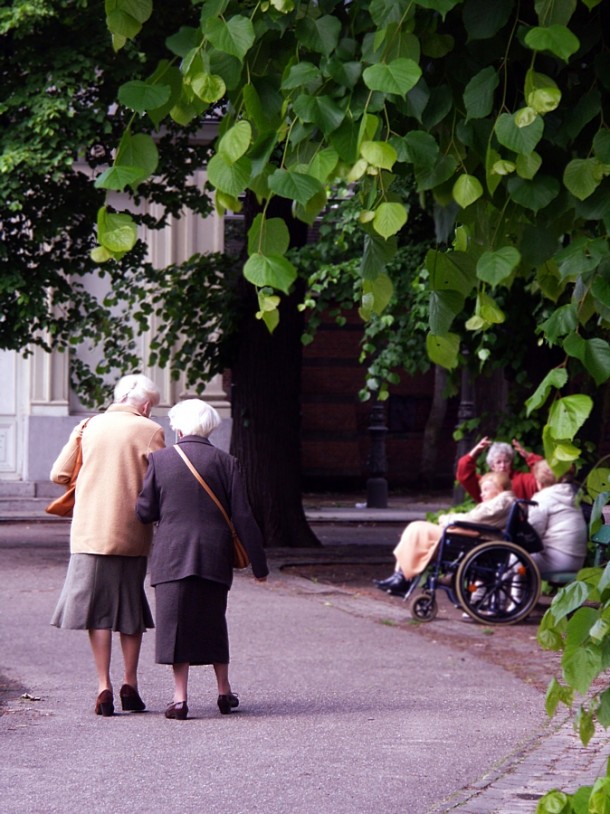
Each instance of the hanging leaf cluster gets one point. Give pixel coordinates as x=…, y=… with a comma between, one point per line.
x=500, y=112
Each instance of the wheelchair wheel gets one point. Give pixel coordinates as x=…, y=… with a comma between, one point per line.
x=498, y=583
x=423, y=607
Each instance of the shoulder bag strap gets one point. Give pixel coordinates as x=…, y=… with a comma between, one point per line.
x=205, y=486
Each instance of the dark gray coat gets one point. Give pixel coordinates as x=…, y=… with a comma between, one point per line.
x=193, y=538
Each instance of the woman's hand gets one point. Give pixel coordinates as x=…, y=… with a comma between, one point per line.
x=518, y=448
x=478, y=448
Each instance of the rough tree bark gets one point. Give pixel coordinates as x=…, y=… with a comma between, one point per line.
x=266, y=407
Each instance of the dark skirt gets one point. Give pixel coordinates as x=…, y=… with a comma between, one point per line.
x=191, y=622
x=103, y=592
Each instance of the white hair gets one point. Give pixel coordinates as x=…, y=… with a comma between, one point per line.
x=193, y=417
x=136, y=389
x=497, y=449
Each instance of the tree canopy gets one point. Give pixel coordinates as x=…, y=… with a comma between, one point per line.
x=499, y=111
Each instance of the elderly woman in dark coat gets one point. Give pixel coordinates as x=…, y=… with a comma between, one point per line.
x=191, y=565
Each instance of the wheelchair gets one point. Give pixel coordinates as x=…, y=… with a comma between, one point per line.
x=486, y=571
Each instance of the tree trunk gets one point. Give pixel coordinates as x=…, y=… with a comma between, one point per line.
x=266, y=406
x=434, y=425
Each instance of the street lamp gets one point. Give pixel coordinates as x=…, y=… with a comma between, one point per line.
x=377, y=464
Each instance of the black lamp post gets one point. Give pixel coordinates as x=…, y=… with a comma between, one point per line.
x=377, y=465
x=466, y=411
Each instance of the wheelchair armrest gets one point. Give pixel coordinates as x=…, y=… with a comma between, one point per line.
x=482, y=528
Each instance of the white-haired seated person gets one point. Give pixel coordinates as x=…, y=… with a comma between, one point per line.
x=559, y=523
x=191, y=566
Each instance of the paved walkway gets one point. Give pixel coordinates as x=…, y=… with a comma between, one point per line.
x=342, y=712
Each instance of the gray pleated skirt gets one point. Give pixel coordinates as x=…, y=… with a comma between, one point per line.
x=103, y=592
x=191, y=622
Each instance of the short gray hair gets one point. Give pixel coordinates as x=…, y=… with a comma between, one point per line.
x=136, y=389
x=193, y=417
x=499, y=448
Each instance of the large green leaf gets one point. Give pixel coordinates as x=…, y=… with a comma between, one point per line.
x=185, y=40
x=567, y=415
x=443, y=350
x=453, y=271
x=321, y=110
x=116, y=231
x=555, y=378
x=479, y=93
x=593, y=353
x=495, y=267
x=397, y=77
x=268, y=236
x=443, y=7
x=568, y=599
x=541, y=92
x=234, y=36
x=119, y=178
x=389, y=219
x=527, y=165
x=142, y=96
x=235, y=142
x=562, y=321
x=124, y=18
x=443, y=170
x=274, y=271
x=558, y=39
x=466, y=190
x=384, y=12
x=483, y=20
x=443, y=308
x=296, y=186
x=534, y=194
x=229, y=177
x=136, y=160
x=379, y=292
x=377, y=253
x=581, y=666
x=208, y=87
x=555, y=11
x=422, y=150
x=582, y=176
x=601, y=146
x=320, y=35
x=300, y=75
x=518, y=139
x=378, y=154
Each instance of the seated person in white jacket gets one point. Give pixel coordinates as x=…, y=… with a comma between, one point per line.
x=559, y=523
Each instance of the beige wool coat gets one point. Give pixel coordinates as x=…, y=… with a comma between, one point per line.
x=116, y=445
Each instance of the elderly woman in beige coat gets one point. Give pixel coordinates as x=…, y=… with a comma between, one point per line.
x=420, y=538
x=104, y=587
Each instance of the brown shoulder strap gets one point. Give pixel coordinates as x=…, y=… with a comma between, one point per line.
x=205, y=486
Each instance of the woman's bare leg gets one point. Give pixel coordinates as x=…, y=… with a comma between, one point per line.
x=181, y=678
x=130, y=645
x=101, y=646
x=222, y=678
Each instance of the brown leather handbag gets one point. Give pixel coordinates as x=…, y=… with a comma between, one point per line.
x=240, y=556
x=63, y=506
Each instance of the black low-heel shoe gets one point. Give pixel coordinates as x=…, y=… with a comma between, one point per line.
x=178, y=711
x=130, y=699
x=227, y=702
x=104, y=704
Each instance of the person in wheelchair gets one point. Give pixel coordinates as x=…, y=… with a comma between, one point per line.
x=500, y=458
x=559, y=523
x=420, y=538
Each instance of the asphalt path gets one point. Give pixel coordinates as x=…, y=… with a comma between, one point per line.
x=340, y=712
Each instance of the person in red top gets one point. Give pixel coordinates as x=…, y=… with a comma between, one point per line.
x=500, y=457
